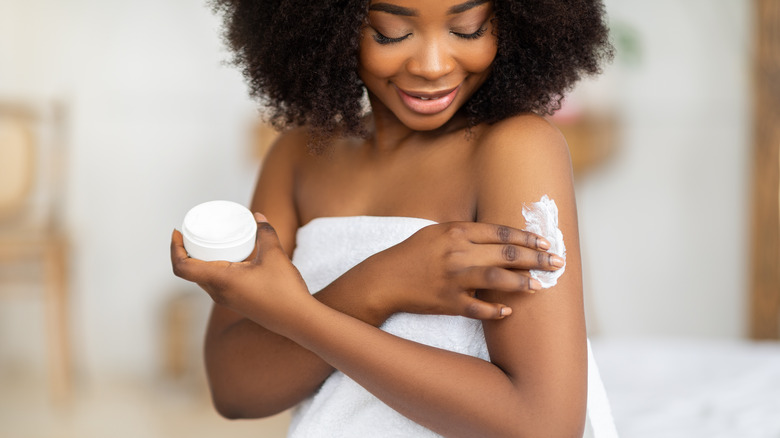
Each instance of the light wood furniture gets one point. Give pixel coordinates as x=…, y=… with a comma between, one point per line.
x=765, y=226
x=31, y=232
x=592, y=139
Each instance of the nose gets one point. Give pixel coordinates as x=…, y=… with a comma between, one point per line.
x=432, y=60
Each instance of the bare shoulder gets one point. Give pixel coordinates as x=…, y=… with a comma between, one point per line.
x=292, y=148
x=274, y=192
x=524, y=125
x=525, y=150
x=288, y=148
x=527, y=138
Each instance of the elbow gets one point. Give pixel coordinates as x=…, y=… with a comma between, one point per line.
x=234, y=399
x=235, y=411
x=563, y=428
x=228, y=411
x=231, y=407
x=560, y=423
x=548, y=417
x=228, y=408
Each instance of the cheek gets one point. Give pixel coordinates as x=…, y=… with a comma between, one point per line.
x=375, y=60
x=481, y=58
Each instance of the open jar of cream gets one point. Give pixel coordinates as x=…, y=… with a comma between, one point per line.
x=219, y=230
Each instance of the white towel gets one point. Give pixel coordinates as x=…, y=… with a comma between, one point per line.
x=328, y=247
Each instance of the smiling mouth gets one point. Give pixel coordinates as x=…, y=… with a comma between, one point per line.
x=428, y=102
x=423, y=95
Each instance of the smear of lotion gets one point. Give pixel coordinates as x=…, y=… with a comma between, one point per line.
x=542, y=218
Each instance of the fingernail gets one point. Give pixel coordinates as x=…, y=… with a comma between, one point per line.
x=260, y=218
x=557, y=261
x=535, y=285
x=544, y=244
x=505, y=311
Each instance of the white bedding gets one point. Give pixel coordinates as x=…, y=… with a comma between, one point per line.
x=692, y=388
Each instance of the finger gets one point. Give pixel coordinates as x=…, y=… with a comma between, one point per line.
x=192, y=269
x=479, y=232
x=478, y=309
x=177, y=247
x=180, y=260
x=513, y=256
x=495, y=278
x=267, y=240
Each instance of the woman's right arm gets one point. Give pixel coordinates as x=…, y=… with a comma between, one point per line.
x=254, y=372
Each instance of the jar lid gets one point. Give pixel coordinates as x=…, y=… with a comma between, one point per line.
x=219, y=224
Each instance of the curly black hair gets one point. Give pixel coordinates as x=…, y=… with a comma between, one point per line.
x=300, y=58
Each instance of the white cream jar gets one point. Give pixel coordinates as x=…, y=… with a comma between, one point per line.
x=219, y=230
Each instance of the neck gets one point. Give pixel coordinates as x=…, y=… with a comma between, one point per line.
x=389, y=133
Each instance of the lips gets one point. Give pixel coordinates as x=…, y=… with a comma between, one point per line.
x=428, y=102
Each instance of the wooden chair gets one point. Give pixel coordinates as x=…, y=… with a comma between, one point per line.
x=31, y=231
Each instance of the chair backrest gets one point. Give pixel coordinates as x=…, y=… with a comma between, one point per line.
x=17, y=159
x=32, y=155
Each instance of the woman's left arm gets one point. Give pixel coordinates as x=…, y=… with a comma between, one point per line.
x=535, y=384
x=542, y=347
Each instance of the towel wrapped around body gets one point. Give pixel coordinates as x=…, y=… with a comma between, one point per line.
x=328, y=247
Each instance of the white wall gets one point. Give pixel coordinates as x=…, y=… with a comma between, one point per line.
x=664, y=224
x=158, y=124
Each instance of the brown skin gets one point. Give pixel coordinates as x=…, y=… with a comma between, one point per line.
x=415, y=165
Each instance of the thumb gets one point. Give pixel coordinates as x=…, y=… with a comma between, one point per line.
x=267, y=240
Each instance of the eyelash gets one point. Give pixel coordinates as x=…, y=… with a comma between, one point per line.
x=472, y=36
x=381, y=39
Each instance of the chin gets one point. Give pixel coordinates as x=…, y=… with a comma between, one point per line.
x=426, y=123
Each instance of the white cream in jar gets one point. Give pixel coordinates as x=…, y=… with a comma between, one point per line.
x=219, y=230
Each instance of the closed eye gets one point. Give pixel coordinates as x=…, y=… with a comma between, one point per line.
x=381, y=39
x=472, y=36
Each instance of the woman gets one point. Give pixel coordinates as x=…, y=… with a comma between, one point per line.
x=390, y=220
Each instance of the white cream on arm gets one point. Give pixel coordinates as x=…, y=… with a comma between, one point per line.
x=542, y=218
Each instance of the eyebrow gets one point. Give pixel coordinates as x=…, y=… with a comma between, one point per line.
x=407, y=12
x=463, y=7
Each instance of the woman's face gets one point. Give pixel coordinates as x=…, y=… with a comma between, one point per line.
x=423, y=59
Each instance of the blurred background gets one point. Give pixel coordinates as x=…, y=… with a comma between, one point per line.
x=134, y=117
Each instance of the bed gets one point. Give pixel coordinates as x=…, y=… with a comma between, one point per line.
x=692, y=387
